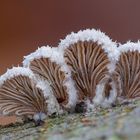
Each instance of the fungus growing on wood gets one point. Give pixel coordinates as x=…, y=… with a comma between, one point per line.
x=91, y=57
x=20, y=96
x=48, y=64
x=127, y=72
x=85, y=70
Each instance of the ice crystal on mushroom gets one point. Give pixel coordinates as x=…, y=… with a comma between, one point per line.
x=85, y=70
x=91, y=57
x=47, y=63
x=19, y=94
x=127, y=72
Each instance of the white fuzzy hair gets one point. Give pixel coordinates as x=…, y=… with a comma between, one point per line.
x=52, y=105
x=16, y=71
x=129, y=46
x=55, y=55
x=100, y=99
x=112, y=96
x=97, y=36
x=107, y=45
x=44, y=52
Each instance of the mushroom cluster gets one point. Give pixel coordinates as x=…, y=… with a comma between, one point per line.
x=86, y=70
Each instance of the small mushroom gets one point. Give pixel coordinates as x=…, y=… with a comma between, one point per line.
x=47, y=63
x=127, y=72
x=91, y=57
x=19, y=94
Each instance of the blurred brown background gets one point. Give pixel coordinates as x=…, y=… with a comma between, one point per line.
x=27, y=24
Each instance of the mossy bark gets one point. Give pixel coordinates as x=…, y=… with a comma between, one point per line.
x=116, y=123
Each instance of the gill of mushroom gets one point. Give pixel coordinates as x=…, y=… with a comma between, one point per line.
x=48, y=64
x=21, y=95
x=91, y=56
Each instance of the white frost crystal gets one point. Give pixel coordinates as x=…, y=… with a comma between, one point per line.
x=92, y=35
x=56, y=55
x=16, y=71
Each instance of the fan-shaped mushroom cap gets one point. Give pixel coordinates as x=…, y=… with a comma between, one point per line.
x=48, y=63
x=127, y=73
x=19, y=94
x=91, y=56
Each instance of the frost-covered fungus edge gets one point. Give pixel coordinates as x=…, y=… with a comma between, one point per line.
x=16, y=71
x=70, y=84
x=45, y=52
x=52, y=54
x=129, y=46
x=112, y=96
x=123, y=48
x=55, y=55
x=106, y=43
x=100, y=99
x=52, y=104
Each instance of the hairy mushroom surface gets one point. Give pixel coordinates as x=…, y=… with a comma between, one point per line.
x=127, y=72
x=91, y=57
x=48, y=64
x=19, y=95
